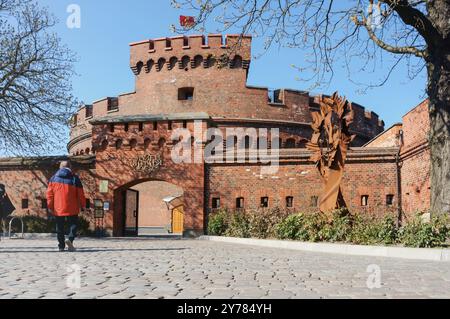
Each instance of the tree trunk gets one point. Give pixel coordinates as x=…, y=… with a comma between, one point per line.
x=438, y=64
x=438, y=92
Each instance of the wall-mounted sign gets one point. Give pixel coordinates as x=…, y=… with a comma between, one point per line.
x=103, y=188
x=99, y=213
x=147, y=163
x=106, y=206
x=98, y=208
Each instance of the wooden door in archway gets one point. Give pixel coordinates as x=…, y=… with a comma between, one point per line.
x=131, y=211
x=178, y=220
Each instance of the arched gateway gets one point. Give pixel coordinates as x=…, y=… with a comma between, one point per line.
x=135, y=178
x=146, y=209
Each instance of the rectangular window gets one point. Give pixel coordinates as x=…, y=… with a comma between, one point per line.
x=155, y=126
x=186, y=94
x=141, y=127
x=365, y=200
x=264, y=202
x=215, y=203
x=289, y=202
x=184, y=124
x=389, y=200
x=111, y=128
x=274, y=96
x=125, y=127
x=169, y=125
x=25, y=203
x=89, y=111
x=314, y=201
x=113, y=104
x=43, y=203
x=240, y=202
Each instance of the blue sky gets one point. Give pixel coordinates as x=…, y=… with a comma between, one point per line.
x=108, y=26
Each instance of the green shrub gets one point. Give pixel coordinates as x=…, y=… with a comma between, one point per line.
x=418, y=233
x=338, y=229
x=257, y=224
x=32, y=224
x=303, y=227
x=341, y=227
x=83, y=227
x=290, y=227
x=313, y=223
x=39, y=225
x=238, y=226
x=218, y=223
x=387, y=232
x=262, y=222
x=368, y=230
x=362, y=231
x=35, y=224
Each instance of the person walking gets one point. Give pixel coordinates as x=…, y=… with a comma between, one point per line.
x=65, y=199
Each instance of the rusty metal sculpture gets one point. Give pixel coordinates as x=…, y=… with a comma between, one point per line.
x=330, y=141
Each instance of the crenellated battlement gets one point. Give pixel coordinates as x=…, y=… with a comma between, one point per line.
x=194, y=51
x=365, y=123
x=190, y=74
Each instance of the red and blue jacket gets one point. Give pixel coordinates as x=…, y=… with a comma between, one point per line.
x=65, y=195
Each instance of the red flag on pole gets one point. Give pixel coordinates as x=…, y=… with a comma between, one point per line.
x=187, y=21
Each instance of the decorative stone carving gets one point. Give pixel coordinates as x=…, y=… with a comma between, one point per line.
x=147, y=163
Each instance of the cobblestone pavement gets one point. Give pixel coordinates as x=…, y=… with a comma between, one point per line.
x=135, y=268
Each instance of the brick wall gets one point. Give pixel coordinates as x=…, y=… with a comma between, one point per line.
x=416, y=185
x=28, y=179
x=370, y=171
x=411, y=136
x=389, y=138
x=416, y=125
x=365, y=174
x=416, y=160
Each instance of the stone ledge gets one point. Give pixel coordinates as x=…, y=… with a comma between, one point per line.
x=149, y=118
x=44, y=161
x=439, y=254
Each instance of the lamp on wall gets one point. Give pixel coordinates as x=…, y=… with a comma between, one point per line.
x=173, y=201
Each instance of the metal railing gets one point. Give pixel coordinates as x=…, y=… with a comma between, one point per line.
x=10, y=228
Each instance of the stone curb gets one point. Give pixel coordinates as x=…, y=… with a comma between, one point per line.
x=438, y=254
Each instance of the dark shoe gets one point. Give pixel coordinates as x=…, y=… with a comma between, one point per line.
x=61, y=250
x=70, y=246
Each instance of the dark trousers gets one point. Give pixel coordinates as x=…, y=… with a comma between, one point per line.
x=72, y=222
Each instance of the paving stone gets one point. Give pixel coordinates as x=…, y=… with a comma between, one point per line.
x=189, y=269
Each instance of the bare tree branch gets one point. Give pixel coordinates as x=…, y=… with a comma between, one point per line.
x=413, y=17
x=35, y=73
x=367, y=23
x=324, y=28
